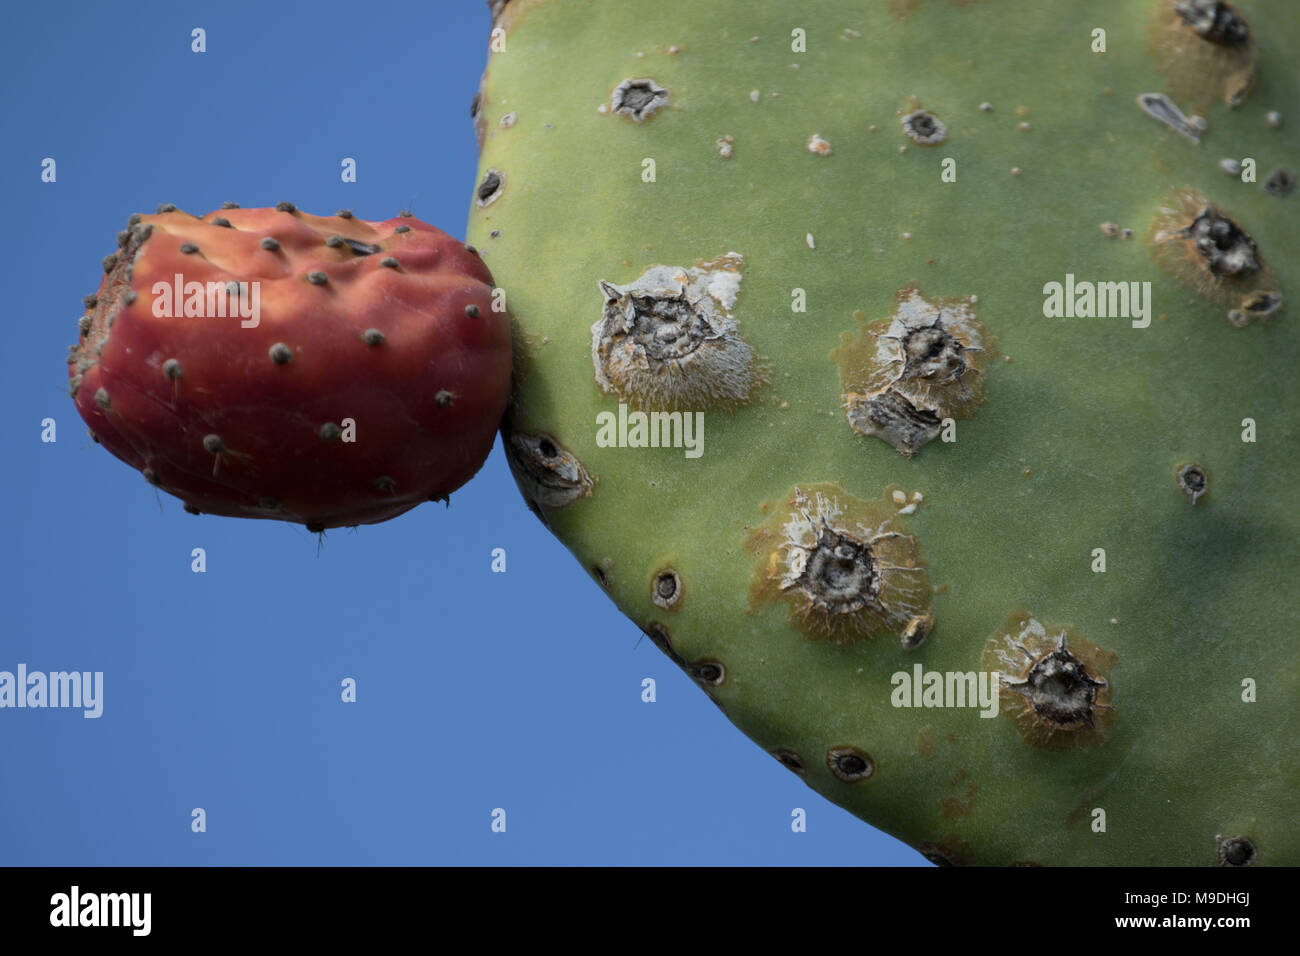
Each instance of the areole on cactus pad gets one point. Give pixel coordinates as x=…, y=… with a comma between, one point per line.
x=267, y=363
x=974, y=314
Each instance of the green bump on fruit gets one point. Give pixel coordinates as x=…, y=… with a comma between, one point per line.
x=1107, y=506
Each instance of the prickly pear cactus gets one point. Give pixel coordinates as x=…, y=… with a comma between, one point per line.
x=919, y=375
x=231, y=358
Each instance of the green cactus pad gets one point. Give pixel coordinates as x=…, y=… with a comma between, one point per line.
x=815, y=178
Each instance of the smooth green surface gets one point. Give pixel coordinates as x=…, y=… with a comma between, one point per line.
x=1098, y=412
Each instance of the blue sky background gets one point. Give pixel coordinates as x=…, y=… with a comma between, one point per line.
x=222, y=690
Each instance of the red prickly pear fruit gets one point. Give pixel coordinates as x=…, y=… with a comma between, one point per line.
x=266, y=363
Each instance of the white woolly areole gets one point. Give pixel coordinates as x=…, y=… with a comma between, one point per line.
x=803, y=528
x=667, y=340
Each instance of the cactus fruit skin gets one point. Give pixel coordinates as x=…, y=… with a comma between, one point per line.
x=1082, y=441
x=366, y=373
